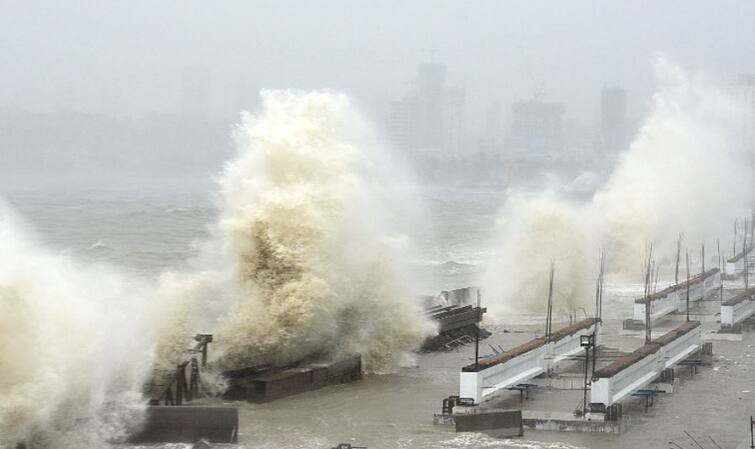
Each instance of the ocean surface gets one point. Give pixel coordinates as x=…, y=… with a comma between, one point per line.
x=148, y=229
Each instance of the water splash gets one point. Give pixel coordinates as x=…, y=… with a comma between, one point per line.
x=686, y=171
x=73, y=346
x=310, y=249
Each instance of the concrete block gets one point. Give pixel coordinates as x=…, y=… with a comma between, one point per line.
x=507, y=423
x=188, y=424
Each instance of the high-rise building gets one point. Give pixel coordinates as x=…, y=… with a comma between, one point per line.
x=537, y=126
x=429, y=116
x=613, y=119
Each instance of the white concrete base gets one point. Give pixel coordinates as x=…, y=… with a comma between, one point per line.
x=567, y=422
x=561, y=382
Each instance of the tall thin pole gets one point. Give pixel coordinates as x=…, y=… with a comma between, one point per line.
x=598, y=293
x=549, y=312
x=648, y=303
x=744, y=259
x=584, y=396
x=687, y=254
x=720, y=271
x=477, y=333
x=678, y=254
x=703, y=259
x=735, y=239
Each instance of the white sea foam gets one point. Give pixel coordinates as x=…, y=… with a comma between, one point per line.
x=686, y=172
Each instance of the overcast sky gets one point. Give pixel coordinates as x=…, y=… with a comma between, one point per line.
x=129, y=57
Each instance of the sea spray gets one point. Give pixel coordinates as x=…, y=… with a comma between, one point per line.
x=75, y=347
x=310, y=248
x=685, y=172
x=538, y=230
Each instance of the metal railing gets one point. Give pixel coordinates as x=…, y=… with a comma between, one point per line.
x=179, y=389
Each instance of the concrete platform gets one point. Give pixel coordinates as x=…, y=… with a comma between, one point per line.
x=568, y=422
x=501, y=423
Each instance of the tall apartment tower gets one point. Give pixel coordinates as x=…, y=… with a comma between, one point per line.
x=428, y=117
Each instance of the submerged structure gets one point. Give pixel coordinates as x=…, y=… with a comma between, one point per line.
x=267, y=383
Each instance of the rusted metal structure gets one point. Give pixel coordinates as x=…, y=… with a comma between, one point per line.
x=183, y=385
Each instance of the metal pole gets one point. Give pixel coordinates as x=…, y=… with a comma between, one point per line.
x=549, y=312
x=687, y=254
x=678, y=254
x=752, y=437
x=584, y=397
x=477, y=333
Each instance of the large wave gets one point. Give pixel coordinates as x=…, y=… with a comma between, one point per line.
x=74, y=346
x=310, y=247
x=685, y=172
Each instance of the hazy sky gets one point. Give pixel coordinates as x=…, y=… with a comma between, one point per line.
x=129, y=57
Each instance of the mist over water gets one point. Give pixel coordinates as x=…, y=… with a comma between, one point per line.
x=685, y=172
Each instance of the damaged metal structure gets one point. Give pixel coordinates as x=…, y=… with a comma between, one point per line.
x=457, y=314
x=168, y=419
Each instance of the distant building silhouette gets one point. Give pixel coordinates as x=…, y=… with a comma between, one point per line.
x=429, y=116
x=613, y=119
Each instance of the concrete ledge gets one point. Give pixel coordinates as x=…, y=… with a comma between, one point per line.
x=505, y=423
x=188, y=424
x=567, y=422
